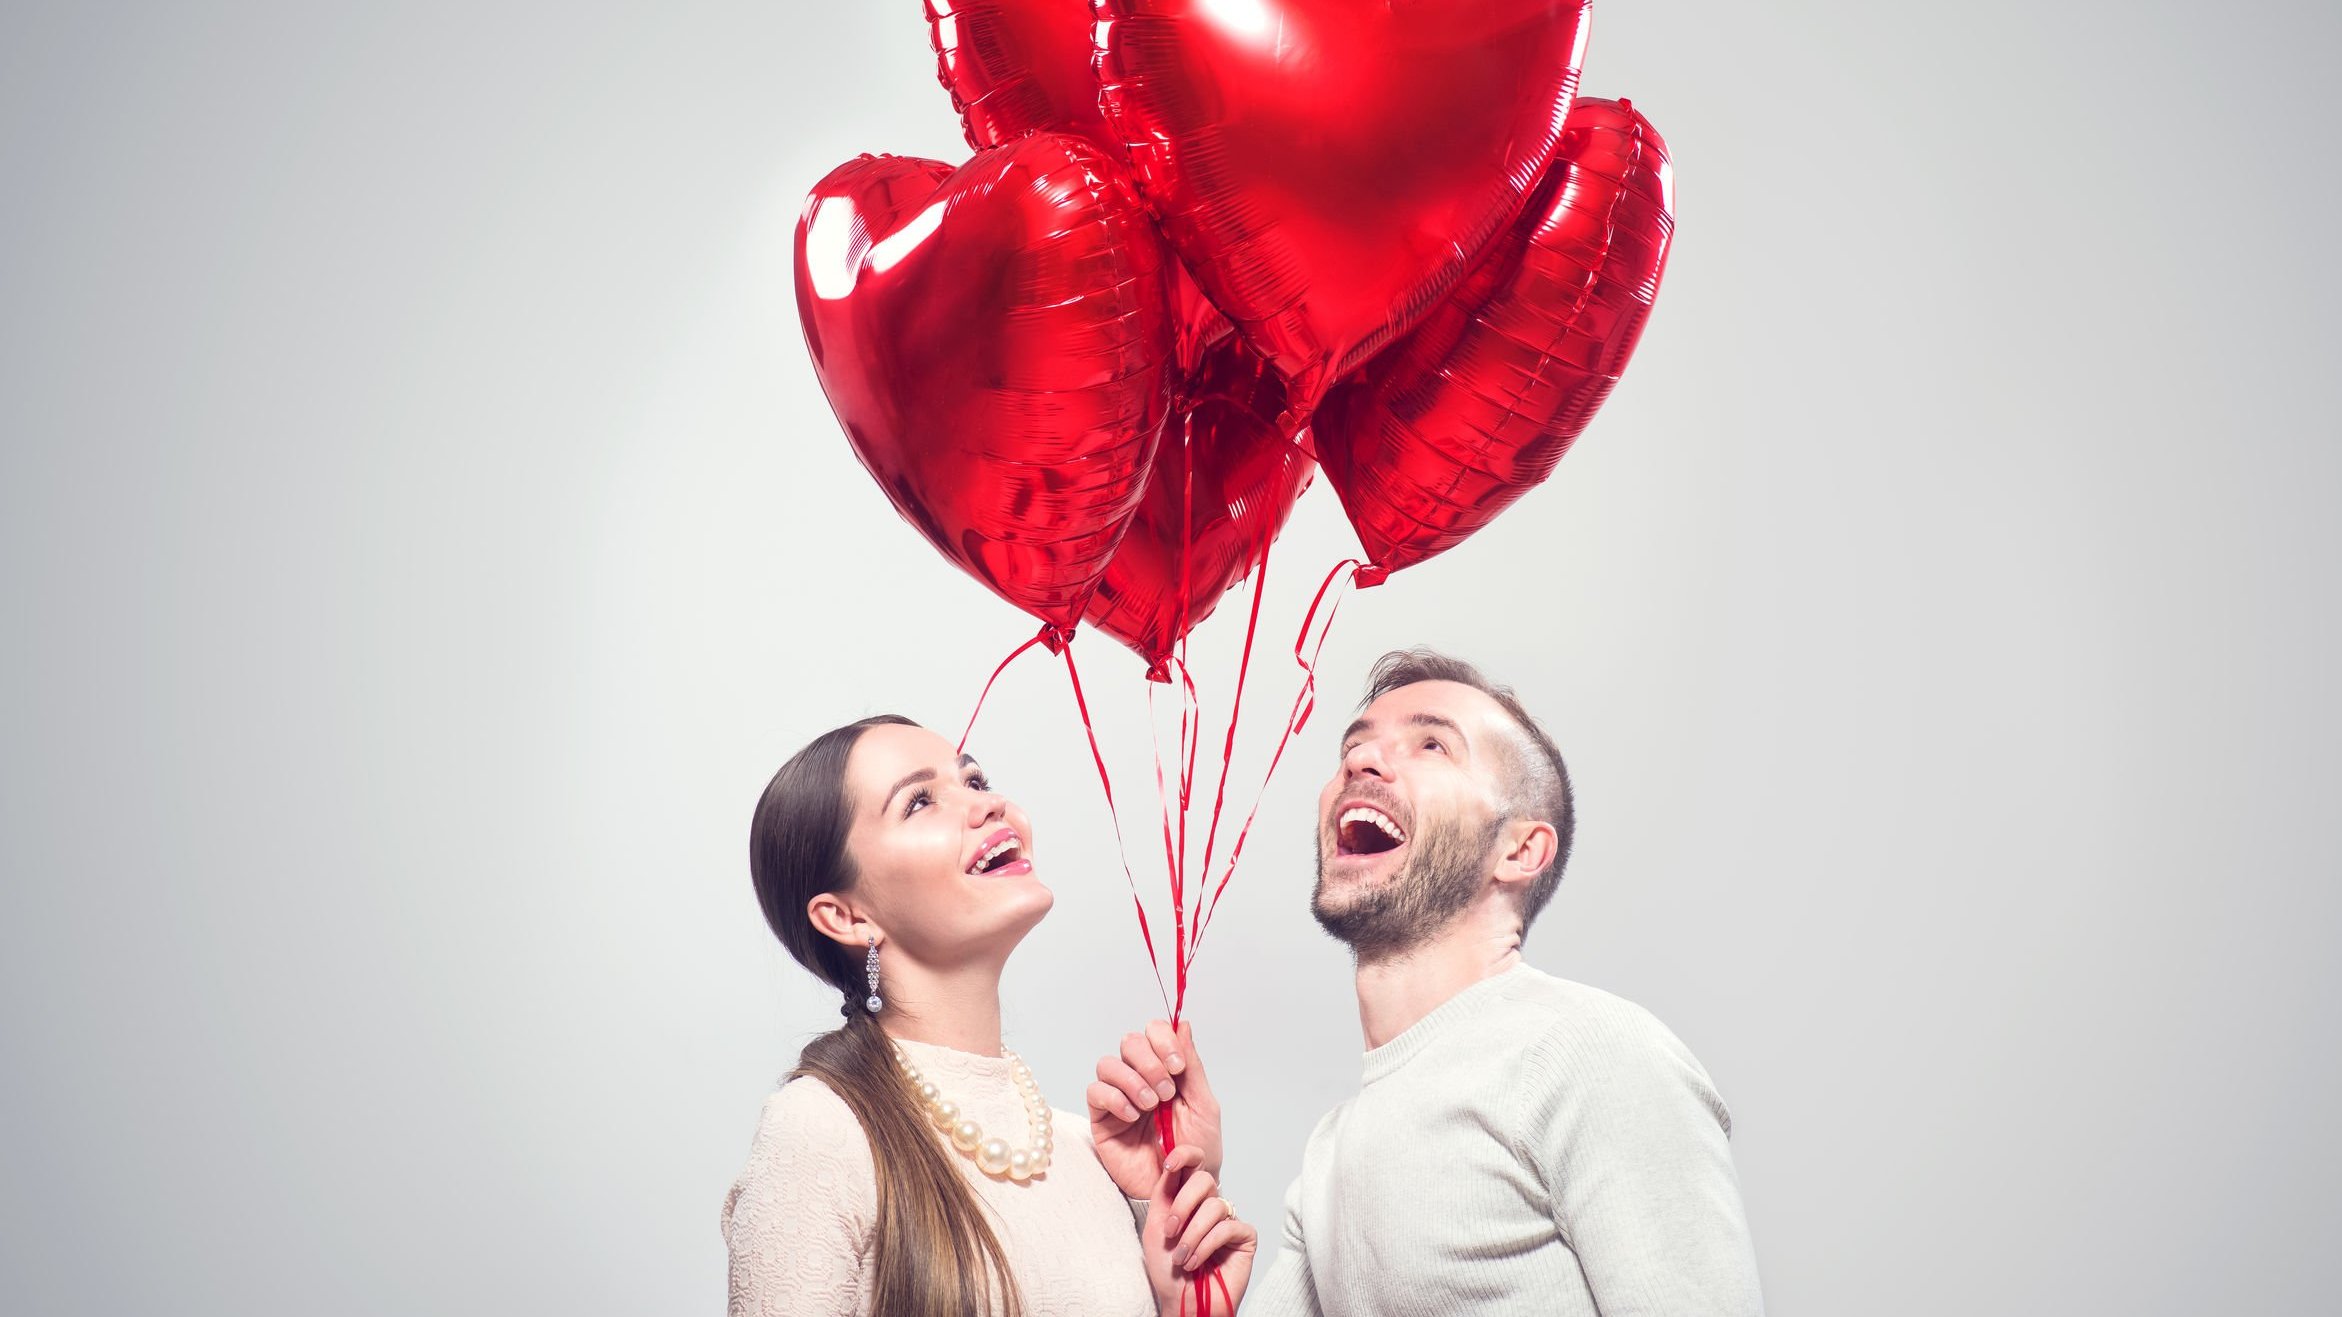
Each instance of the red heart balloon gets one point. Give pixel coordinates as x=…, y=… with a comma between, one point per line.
x=1226, y=477
x=1328, y=169
x=1430, y=441
x=1017, y=66
x=1196, y=323
x=996, y=341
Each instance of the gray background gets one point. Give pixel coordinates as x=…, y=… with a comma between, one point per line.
x=421, y=534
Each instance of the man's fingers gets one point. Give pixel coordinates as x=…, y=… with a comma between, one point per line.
x=1137, y=1094
x=1194, y=1069
x=1139, y=1055
x=1166, y=1045
x=1108, y=1104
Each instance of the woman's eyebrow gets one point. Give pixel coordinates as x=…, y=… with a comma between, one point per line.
x=909, y=779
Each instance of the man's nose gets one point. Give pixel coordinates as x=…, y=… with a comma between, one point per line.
x=1366, y=758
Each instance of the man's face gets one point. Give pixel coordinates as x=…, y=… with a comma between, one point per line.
x=1408, y=826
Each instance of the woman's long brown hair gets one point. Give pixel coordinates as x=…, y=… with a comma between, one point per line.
x=934, y=1255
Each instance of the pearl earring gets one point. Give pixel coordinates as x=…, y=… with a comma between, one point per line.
x=870, y=969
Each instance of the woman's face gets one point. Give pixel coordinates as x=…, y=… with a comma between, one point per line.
x=944, y=864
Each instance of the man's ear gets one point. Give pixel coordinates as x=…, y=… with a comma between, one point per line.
x=1529, y=846
x=834, y=919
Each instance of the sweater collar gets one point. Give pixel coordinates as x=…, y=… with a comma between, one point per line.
x=1386, y=1059
x=949, y=1065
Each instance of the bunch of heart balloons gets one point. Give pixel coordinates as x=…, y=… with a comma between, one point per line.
x=1202, y=242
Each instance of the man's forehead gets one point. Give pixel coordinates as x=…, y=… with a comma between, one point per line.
x=1467, y=706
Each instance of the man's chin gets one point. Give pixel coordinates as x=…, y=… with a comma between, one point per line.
x=1341, y=890
x=1360, y=918
x=1331, y=912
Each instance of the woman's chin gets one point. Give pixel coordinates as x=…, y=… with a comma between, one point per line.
x=1024, y=904
x=1002, y=908
x=1031, y=893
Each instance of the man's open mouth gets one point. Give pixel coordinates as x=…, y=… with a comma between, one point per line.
x=1365, y=830
x=1005, y=849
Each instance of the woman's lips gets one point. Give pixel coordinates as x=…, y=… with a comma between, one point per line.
x=1005, y=842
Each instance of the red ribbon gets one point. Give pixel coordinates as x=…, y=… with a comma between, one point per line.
x=1260, y=585
x=1047, y=635
x=1304, y=704
x=1121, y=851
x=1188, y=928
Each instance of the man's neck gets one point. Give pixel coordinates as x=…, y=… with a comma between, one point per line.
x=1396, y=992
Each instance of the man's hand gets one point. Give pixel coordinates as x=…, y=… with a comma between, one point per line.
x=1153, y=1068
x=1191, y=1231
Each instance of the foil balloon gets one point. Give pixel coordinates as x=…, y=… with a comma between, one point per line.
x=1226, y=477
x=996, y=341
x=1197, y=325
x=1015, y=67
x=1430, y=441
x=1329, y=169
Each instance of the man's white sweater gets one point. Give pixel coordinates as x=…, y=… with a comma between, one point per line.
x=1532, y=1145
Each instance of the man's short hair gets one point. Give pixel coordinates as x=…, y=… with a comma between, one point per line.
x=1538, y=786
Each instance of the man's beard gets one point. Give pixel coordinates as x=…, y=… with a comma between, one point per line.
x=1442, y=875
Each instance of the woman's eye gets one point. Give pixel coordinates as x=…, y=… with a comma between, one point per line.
x=1433, y=743
x=918, y=798
x=979, y=782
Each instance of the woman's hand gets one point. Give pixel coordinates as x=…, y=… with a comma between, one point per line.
x=1153, y=1068
x=1192, y=1232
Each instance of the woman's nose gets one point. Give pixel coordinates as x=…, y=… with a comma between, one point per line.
x=985, y=806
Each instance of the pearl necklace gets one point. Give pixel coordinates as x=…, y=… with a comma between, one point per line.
x=993, y=1155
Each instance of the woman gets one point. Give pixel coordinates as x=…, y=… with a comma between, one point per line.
x=909, y=1166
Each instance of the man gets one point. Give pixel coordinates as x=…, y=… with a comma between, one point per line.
x=1521, y=1143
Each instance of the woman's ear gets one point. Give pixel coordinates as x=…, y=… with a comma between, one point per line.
x=839, y=922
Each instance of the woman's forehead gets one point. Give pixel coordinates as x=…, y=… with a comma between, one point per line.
x=889, y=752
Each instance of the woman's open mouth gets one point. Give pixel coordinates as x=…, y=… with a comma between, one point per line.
x=1003, y=849
x=1365, y=830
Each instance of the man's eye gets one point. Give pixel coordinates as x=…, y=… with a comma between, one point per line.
x=1433, y=743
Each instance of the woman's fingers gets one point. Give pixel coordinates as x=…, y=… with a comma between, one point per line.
x=1182, y=1160
x=1228, y=1236
x=1209, y=1213
x=1229, y=1233
x=1202, y=1222
x=1200, y=1191
x=1138, y=1052
x=1137, y=1093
